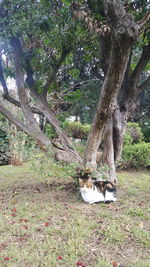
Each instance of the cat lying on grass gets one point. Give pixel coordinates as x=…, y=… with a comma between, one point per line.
x=97, y=191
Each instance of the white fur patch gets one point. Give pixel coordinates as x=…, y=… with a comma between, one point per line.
x=109, y=196
x=91, y=195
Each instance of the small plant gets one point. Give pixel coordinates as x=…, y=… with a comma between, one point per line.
x=142, y=236
x=114, y=234
x=136, y=211
x=49, y=169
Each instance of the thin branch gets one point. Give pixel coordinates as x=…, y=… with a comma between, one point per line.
x=145, y=57
x=74, y=87
x=5, y=88
x=6, y=94
x=144, y=22
x=144, y=85
x=55, y=70
x=21, y=126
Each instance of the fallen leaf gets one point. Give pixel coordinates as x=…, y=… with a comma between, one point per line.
x=12, y=222
x=21, y=238
x=141, y=225
x=115, y=263
x=25, y=220
x=13, y=214
x=80, y=264
x=141, y=204
x=38, y=229
x=7, y=259
x=59, y=257
x=46, y=224
x=25, y=227
x=14, y=210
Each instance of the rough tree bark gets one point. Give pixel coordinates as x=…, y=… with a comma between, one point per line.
x=126, y=107
x=124, y=32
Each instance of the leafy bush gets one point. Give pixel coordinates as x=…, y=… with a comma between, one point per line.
x=49, y=169
x=4, y=148
x=77, y=129
x=145, y=127
x=50, y=132
x=134, y=131
x=128, y=140
x=136, y=156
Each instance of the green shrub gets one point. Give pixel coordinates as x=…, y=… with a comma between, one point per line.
x=134, y=131
x=128, y=140
x=4, y=148
x=136, y=156
x=77, y=129
x=50, y=132
x=145, y=127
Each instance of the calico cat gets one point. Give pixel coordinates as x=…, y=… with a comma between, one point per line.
x=97, y=191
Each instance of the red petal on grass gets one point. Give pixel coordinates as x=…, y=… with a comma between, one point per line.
x=14, y=210
x=59, y=257
x=13, y=222
x=25, y=226
x=80, y=264
x=114, y=263
x=13, y=214
x=21, y=238
x=38, y=229
x=25, y=220
x=7, y=259
x=46, y=224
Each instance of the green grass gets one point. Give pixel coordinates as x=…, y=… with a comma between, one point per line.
x=44, y=222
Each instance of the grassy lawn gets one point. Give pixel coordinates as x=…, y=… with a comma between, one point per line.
x=46, y=223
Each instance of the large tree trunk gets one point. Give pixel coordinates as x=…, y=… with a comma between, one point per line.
x=107, y=103
x=126, y=108
x=108, y=153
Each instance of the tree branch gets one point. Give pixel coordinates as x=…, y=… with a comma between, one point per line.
x=6, y=94
x=144, y=85
x=21, y=126
x=23, y=98
x=74, y=87
x=42, y=140
x=145, y=57
x=144, y=22
x=55, y=70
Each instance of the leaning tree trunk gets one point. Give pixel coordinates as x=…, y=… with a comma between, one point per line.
x=63, y=147
x=31, y=122
x=124, y=32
